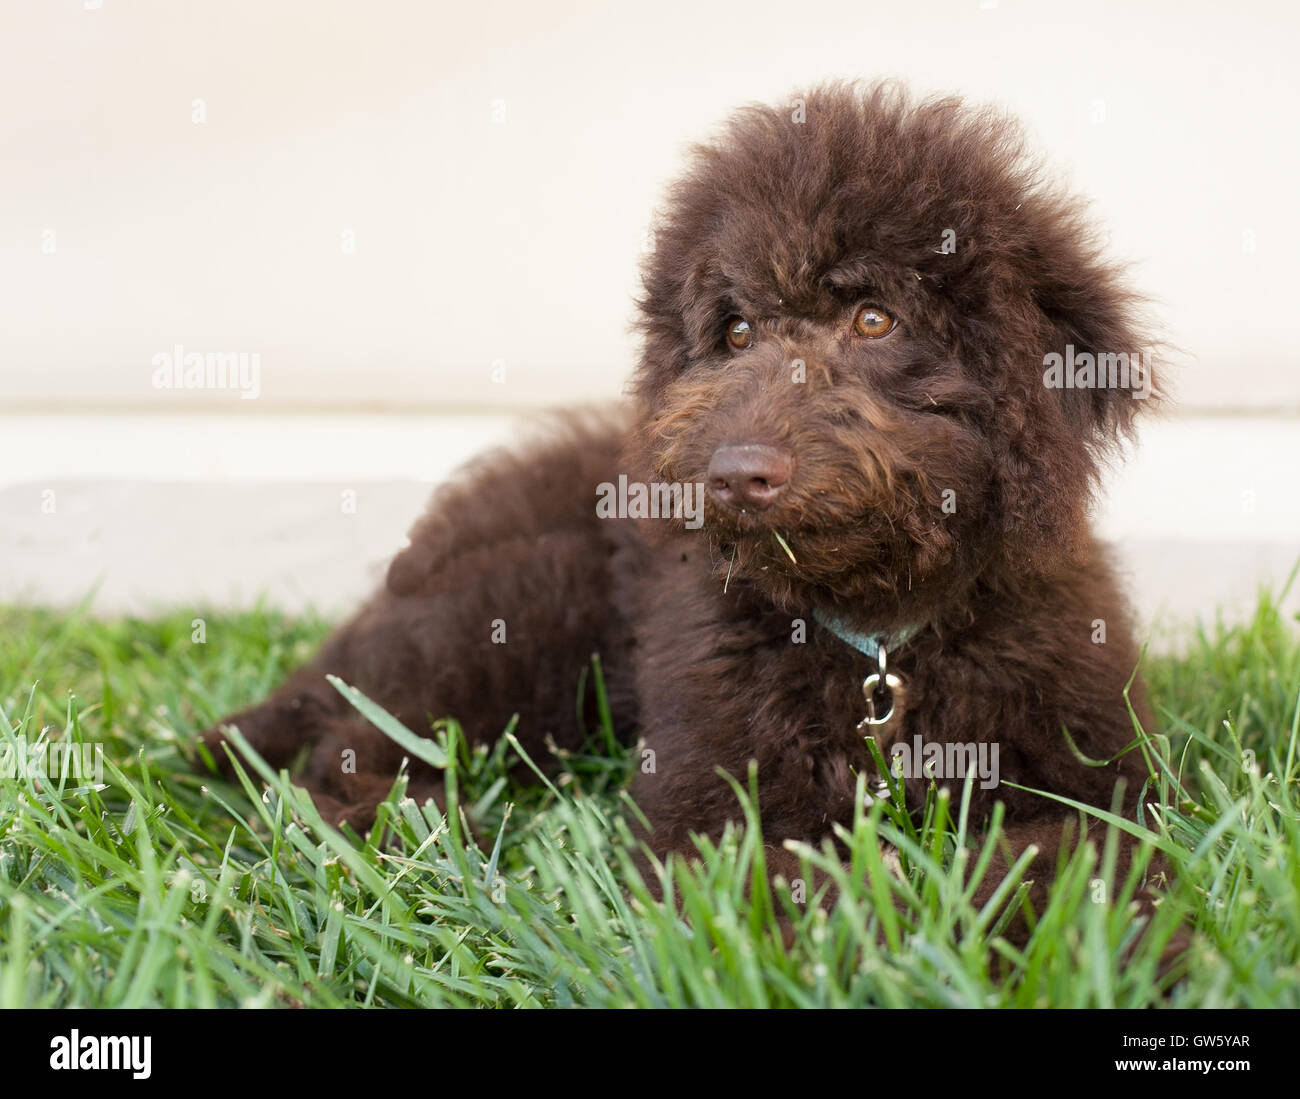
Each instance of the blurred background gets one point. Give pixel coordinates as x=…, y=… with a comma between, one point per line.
x=424, y=221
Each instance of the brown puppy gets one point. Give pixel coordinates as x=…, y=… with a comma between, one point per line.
x=874, y=341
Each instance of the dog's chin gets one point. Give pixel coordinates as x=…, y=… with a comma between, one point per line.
x=827, y=543
x=866, y=562
x=778, y=556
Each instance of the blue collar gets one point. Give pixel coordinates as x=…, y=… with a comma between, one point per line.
x=866, y=643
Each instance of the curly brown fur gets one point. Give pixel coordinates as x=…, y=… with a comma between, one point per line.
x=927, y=484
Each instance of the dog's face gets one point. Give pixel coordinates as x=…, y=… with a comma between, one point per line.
x=847, y=313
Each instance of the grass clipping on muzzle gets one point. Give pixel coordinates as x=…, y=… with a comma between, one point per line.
x=785, y=546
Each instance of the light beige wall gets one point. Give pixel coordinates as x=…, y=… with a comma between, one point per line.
x=516, y=237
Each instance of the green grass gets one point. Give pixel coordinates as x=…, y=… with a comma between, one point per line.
x=166, y=888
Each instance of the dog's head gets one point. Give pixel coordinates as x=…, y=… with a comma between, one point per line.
x=850, y=317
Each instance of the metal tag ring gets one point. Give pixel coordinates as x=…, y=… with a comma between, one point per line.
x=869, y=687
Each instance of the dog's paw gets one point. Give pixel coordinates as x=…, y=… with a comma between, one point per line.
x=273, y=730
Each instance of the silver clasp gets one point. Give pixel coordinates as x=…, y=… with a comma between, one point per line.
x=883, y=692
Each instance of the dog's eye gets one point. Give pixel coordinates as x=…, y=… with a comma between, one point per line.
x=872, y=322
x=739, y=334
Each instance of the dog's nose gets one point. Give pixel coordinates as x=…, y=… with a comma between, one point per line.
x=749, y=476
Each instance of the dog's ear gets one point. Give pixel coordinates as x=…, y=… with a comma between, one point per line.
x=1097, y=359
x=1097, y=356
x=1077, y=373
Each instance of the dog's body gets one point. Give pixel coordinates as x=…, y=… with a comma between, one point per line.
x=846, y=320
